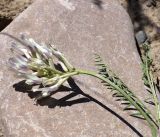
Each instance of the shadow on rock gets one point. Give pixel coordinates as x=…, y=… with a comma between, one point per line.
x=50, y=101
x=64, y=101
x=24, y=88
x=98, y=3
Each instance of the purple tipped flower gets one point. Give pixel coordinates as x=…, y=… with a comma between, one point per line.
x=35, y=63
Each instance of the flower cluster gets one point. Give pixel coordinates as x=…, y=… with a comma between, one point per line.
x=36, y=63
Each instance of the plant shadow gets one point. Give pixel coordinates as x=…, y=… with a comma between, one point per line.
x=64, y=101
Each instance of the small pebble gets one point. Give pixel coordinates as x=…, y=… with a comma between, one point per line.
x=141, y=37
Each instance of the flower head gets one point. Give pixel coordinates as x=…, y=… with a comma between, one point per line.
x=35, y=63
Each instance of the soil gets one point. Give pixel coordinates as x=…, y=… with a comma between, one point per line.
x=9, y=9
x=145, y=15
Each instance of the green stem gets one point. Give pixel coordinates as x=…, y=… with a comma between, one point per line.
x=136, y=102
x=150, y=121
x=153, y=90
x=69, y=74
x=155, y=98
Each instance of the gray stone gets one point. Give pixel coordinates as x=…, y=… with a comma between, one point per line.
x=141, y=37
x=79, y=29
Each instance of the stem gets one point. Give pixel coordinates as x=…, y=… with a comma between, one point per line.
x=153, y=90
x=69, y=74
x=155, y=98
x=143, y=112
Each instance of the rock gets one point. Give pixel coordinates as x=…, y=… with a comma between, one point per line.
x=79, y=29
x=141, y=37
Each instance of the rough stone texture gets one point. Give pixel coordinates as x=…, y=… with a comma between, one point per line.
x=79, y=29
x=141, y=37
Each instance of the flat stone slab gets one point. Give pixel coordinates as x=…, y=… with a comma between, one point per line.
x=79, y=29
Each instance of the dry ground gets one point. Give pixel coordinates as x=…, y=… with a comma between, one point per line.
x=9, y=9
x=149, y=19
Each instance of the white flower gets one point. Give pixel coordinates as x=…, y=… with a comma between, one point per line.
x=35, y=63
x=47, y=91
x=20, y=49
